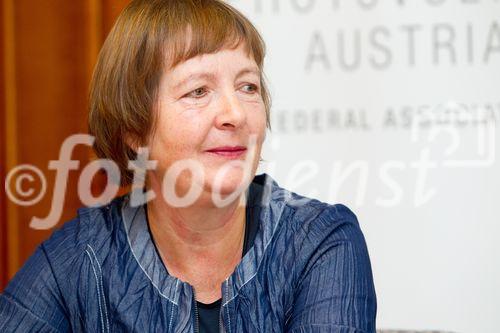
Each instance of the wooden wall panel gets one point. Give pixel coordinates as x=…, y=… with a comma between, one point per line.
x=9, y=146
x=110, y=11
x=3, y=171
x=52, y=75
x=49, y=50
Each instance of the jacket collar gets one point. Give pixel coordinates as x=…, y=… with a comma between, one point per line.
x=264, y=196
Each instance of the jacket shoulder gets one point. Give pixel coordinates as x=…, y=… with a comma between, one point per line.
x=92, y=226
x=318, y=221
x=302, y=217
x=306, y=212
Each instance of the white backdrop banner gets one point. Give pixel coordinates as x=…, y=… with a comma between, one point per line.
x=392, y=108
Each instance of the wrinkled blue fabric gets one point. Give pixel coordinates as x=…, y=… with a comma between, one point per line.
x=308, y=271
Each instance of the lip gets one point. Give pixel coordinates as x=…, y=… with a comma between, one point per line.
x=228, y=151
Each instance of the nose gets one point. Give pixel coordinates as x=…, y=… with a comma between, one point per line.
x=231, y=114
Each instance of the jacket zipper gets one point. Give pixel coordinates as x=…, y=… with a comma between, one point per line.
x=197, y=320
x=223, y=299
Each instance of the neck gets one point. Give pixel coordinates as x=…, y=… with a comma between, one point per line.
x=199, y=241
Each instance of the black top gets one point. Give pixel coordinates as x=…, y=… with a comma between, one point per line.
x=208, y=314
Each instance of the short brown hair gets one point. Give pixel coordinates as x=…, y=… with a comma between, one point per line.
x=126, y=77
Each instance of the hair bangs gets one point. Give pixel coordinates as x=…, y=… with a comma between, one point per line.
x=209, y=29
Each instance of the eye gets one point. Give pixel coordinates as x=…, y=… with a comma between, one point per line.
x=197, y=93
x=250, y=88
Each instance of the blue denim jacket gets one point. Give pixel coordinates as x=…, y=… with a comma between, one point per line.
x=308, y=271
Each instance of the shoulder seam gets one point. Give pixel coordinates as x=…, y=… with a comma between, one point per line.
x=99, y=285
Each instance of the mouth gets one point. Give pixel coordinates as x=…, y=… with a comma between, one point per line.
x=228, y=151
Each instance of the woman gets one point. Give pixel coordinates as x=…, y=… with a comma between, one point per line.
x=211, y=248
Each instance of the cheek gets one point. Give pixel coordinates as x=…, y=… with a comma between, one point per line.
x=177, y=137
x=257, y=120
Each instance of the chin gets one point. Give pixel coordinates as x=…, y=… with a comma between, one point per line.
x=232, y=181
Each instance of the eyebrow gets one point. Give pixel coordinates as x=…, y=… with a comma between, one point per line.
x=210, y=76
x=204, y=75
x=248, y=70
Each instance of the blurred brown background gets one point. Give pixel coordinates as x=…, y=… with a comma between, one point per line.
x=48, y=50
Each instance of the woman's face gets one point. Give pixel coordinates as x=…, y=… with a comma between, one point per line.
x=209, y=109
